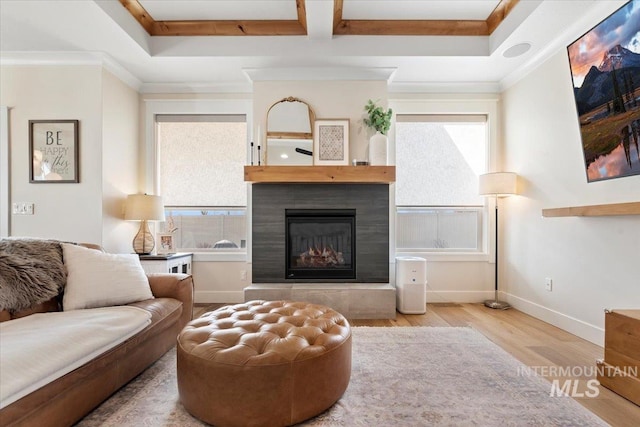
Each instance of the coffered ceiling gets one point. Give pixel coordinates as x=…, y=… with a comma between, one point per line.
x=225, y=45
x=277, y=18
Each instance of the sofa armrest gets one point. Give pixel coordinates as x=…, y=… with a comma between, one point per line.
x=178, y=286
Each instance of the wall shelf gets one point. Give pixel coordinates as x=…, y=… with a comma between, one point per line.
x=320, y=174
x=612, y=209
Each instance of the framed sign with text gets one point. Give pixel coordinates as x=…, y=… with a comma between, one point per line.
x=53, y=145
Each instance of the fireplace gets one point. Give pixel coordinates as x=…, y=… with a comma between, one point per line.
x=327, y=210
x=368, y=251
x=320, y=244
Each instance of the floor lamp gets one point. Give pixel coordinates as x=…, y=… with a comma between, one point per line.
x=498, y=184
x=143, y=208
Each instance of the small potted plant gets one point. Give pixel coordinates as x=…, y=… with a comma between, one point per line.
x=377, y=118
x=380, y=120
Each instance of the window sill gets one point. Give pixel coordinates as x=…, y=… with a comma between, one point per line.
x=448, y=256
x=219, y=256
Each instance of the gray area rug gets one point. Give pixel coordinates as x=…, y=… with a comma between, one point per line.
x=407, y=376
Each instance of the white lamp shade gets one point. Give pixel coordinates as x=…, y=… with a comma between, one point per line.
x=498, y=184
x=144, y=207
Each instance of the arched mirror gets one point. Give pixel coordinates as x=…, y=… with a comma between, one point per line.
x=290, y=133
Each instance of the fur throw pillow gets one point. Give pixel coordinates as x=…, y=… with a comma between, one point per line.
x=31, y=272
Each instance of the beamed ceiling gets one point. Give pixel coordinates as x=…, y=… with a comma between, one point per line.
x=227, y=45
x=341, y=26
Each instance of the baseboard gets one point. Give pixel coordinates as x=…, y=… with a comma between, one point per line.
x=570, y=324
x=210, y=297
x=458, y=296
x=205, y=297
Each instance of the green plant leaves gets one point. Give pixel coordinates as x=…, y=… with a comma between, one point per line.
x=378, y=118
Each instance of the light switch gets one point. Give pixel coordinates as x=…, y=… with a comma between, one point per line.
x=22, y=208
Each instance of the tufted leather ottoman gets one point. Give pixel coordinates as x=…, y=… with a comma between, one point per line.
x=263, y=363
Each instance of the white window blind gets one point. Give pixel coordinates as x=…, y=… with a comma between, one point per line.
x=201, y=159
x=439, y=159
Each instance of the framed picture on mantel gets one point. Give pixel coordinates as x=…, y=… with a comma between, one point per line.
x=331, y=142
x=53, y=149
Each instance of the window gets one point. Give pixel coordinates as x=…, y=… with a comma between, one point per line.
x=438, y=228
x=200, y=174
x=439, y=159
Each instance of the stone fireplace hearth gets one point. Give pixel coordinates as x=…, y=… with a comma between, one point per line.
x=365, y=293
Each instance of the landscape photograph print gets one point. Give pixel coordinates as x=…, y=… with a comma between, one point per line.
x=605, y=68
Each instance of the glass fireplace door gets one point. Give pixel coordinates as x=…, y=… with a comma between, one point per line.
x=320, y=244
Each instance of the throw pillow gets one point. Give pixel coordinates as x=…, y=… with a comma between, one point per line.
x=99, y=279
x=31, y=272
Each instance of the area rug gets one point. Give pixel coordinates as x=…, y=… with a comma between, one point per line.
x=401, y=376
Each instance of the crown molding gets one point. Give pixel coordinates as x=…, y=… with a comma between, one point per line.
x=72, y=58
x=120, y=72
x=178, y=88
x=444, y=87
x=50, y=58
x=318, y=74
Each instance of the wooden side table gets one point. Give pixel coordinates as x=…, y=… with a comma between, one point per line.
x=619, y=369
x=179, y=262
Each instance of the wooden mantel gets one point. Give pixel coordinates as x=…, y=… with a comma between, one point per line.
x=612, y=209
x=320, y=174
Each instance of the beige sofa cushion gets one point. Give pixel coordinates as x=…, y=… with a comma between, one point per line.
x=99, y=279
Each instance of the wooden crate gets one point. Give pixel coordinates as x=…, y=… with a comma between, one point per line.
x=621, y=366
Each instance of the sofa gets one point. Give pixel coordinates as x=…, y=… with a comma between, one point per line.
x=107, y=321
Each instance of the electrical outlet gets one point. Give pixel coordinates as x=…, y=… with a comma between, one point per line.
x=22, y=208
x=548, y=283
x=243, y=275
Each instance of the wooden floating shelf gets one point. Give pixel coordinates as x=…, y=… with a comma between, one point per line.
x=632, y=208
x=320, y=174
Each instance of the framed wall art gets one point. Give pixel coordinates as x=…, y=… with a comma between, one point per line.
x=331, y=142
x=53, y=148
x=605, y=69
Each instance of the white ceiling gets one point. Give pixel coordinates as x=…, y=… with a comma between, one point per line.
x=77, y=31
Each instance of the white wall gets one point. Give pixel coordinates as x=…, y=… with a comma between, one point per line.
x=592, y=261
x=120, y=173
x=220, y=281
x=329, y=100
x=4, y=171
x=62, y=211
x=88, y=211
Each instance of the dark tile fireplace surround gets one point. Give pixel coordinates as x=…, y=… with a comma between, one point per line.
x=368, y=293
x=271, y=202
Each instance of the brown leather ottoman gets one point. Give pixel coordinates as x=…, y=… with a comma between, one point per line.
x=263, y=363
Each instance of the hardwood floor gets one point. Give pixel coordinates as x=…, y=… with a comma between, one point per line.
x=533, y=342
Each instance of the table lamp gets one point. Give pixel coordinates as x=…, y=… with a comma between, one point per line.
x=497, y=184
x=143, y=208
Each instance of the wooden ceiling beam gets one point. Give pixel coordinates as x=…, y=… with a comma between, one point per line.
x=140, y=14
x=302, y=14
x=337, y=14
x=219, y=27
x=411, y=27
x=228, y=28
x=385, y=27
x=500, y=13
